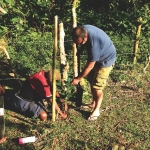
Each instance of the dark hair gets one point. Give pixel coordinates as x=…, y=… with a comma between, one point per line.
x=78, y=32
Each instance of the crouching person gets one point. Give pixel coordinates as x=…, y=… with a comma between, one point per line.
x=37, y=87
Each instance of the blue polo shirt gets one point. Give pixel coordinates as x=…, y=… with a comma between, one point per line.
x=100, y=48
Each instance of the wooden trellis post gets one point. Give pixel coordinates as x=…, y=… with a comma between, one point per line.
x=148, y=58
x=75, y=70
x=2, y=10
x=54, y=68
x=63, y=62
x=136, y=44
x=3, y=49
x=76, y=64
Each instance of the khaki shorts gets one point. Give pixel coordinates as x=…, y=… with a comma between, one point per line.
x=98, y=77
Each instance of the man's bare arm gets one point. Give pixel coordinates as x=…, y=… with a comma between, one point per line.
x=89, y=66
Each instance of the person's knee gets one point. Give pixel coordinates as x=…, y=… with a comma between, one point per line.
x=43, y=116
x=97, y=91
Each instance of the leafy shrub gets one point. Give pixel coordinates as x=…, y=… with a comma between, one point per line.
x=32, y=53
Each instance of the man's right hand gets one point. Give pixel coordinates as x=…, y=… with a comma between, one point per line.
x=75, y=81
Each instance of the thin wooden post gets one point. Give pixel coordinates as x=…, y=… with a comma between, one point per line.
x=3, y=45
x=75, y=70
x=3, y=48
x=148, y=57
x=54, y=68
x=136, y=44
x=76, y=62
x=63, y=61
x=2, y=10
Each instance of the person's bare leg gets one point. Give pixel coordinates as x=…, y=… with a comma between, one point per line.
x=92, y=105
x=98, y=97
x=43, y=116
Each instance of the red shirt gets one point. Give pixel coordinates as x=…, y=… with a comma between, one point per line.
x=39, y=84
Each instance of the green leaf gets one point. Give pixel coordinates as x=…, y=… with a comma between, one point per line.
x=9, y=2
x=14, y=20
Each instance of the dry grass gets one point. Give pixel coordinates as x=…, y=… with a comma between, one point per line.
x=124, y=122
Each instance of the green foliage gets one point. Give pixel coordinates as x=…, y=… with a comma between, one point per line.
x=117, y=16
x=28, y=28
x=32, y=53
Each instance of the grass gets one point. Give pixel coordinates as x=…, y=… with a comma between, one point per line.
x=124, y=122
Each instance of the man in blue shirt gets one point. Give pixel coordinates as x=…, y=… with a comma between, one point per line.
x=101, y=58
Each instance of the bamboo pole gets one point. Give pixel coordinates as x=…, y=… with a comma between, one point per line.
x=75, y=70
x=136, y=44
x=54, y=68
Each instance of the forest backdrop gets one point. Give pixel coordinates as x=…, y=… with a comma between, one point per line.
x=28, y=31
x=28, y=28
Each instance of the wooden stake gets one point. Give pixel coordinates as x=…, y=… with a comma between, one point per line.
x=136, y=44
x=2, y=10
x=75, y=70
x=3, y=48
x=148, y=62
x=63, y=62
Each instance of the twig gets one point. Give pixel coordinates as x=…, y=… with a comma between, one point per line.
x=144, y=70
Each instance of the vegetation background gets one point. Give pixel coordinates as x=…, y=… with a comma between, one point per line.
x=28, y=30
